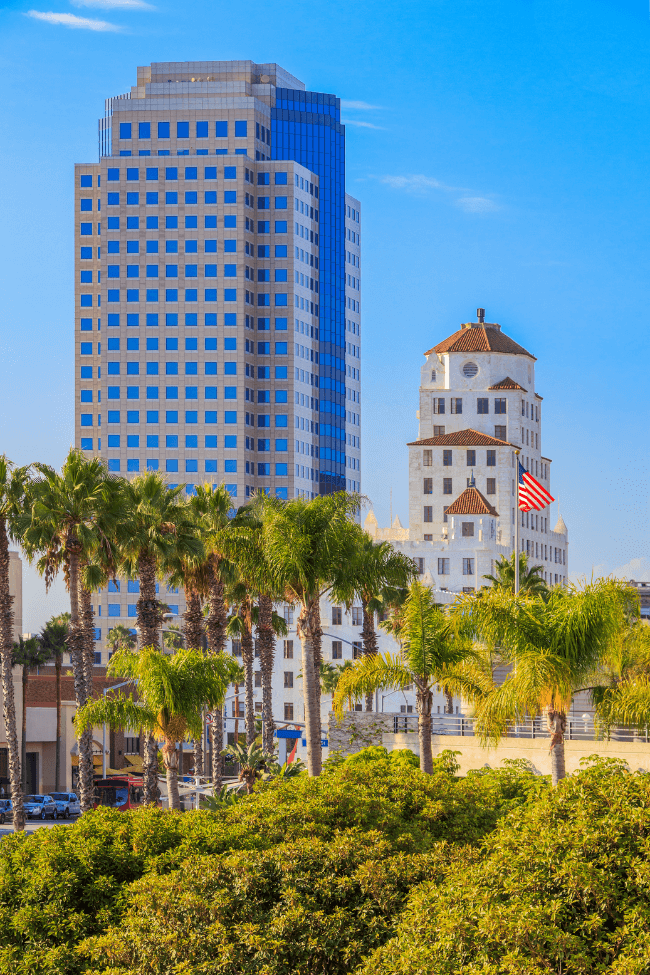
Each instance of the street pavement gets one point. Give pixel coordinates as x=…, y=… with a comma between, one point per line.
x=34, y=824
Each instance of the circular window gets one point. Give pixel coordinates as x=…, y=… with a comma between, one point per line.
x=470, y=369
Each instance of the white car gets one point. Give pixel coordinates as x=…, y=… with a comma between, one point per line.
x=67, y=804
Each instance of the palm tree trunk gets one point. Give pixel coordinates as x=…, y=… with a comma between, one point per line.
x=308, y=623
x=193, y=619
x=149, y=623
x=76, y=643
x=449, y=701
x=23, y=746
x=216, y=747
x=369, y=638
x=424, y=697
x=318, y=651
x=556, y=723
x=57, y=758
x=193, y=626
x=266, y=639
x=170, y=760
x=88, y=624
x=6, y=675
x=148, y=607
x=216, y=627
x=150, y=767
x=247, y=653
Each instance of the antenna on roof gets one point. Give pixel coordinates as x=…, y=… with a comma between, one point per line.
x=471, y=482
x=480, y=315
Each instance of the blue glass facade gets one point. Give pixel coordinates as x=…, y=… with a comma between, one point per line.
x=306, y=127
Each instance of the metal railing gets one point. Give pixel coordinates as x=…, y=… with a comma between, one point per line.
x=578, y=728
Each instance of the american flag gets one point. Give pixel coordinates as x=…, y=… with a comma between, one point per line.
x=531, y=493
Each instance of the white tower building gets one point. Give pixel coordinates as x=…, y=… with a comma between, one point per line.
x=478, y=403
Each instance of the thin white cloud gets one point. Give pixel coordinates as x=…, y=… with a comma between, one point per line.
x=477, y=204
x=70, y=20
x=362, y=125
x=362, y=106
x=638, y=569
x=114, y=4
x=416, y=183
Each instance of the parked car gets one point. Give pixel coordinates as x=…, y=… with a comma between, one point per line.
x=40, y=807
x=6, y=811
x=67, y=804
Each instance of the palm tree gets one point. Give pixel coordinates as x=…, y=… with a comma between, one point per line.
x=222, y=538
x=378, y=571
x=530, y=580
x=154, y=524
x=173, y=638
x=251, y=760
x=552, y=646
x=432, y=652
x=27, y=654
x=119, y=638
x=73, y=517
x=53, y=640
x=240, y=627
x=310, y=548
x=173, y=692
x=13, y=481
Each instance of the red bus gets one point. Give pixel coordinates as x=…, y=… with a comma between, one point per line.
x=118, y=792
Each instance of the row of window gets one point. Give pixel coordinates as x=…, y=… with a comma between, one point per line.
x=191, y=392
x=152, y=441
x=191, y=223
x=448, y=458
x=529, y=410
x=280, y=300
x=191, y=270
x=171, y=344
x=456, y=405
x=133, y=466
x=191, y=321
x=280, y=420
x=152, y=174
x=190, y=198
x=186, y=152
x=444, y=567
x=201, y=129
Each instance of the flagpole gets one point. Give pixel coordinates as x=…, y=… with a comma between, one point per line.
x=517, y=523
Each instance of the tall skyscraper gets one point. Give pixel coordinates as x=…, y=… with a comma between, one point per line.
x=217, y=283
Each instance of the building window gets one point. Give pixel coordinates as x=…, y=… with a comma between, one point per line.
x=258, y=677
x=443, y=567
x=471, y=458
x=491, y=485
x=427, y=458
x=482, y=405
x=357, y=650
x=470, y=369
x=468, y=567
x=420, y=565
x=499, y=406
x=438, y=431
x=131, y=746
x=444, y=513
x=288, y=712
x=468, y=589
x=236, y=648
x=468, y=529
x=428, y=538
x=447, y=458
x=357, y=616
x=337, y=616
x=491, y=458
x=288, y=613
x=428, y=485
x=446, y=485
x=456, y=404
x=500, y=433
x=438, y=405
x=288, y=649
x=288, y=678
x=337, y=650
x=428, y=513
x=433, y=375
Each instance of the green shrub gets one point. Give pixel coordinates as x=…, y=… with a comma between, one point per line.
x=564, y=886
x=62, y=886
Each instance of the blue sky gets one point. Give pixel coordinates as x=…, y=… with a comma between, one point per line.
x=500, y=151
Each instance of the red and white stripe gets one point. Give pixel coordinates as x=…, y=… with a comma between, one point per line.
x=531, y=494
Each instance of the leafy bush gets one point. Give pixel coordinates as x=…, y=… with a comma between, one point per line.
x=563, y=887
x=371, y=817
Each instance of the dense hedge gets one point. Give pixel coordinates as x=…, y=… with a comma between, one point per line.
x=372, y=869
x=325, y=863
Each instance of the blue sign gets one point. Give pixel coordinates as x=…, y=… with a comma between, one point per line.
x=324, y=742
x=288, y=733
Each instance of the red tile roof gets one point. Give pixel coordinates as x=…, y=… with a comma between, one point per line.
x=462, y=438
x=508, y=383
x=480, y=338
x=472, y=502
x=537, y=396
